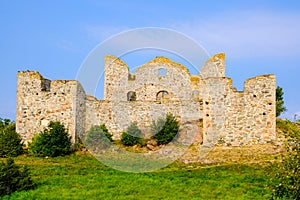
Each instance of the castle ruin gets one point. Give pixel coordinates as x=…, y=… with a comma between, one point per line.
x=206, y=103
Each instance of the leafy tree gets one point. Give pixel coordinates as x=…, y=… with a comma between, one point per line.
x=132, y=136
x=285, y=180
x=14, y=178
x=106, y=132
x=98, y=137
x=53, y=141
x=4, y=122
x=280, y=108
x=164, y=130
x=10, y=141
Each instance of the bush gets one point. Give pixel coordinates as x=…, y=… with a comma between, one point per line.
x=106, y=133
x=14, y=178
x=10, y=141
x=285, y=180
x=164, y=130
x=53, y=141
x=98, y=137
x=132, y=136
x=78, y=146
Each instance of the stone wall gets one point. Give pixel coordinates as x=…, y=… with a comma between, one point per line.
x=118, y=115
x=39, y=103
x=206, y=103
x=241, y=118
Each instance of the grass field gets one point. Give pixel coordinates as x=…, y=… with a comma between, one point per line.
x=80, y=176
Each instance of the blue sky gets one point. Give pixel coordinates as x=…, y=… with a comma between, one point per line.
x=54, y=37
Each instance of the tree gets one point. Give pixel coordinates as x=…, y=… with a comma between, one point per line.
x=106, y=132
x=98, y=137
x=53, y=141
x=164, y=130
x=132, y=136
x=10, y=141
x=14, y=178
x=5, y=122
x=280, y=108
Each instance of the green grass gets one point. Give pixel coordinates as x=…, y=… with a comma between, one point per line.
x=83, y=177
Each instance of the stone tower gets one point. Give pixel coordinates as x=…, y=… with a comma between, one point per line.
x=40, y=101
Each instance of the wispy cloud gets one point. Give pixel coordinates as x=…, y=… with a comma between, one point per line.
x=102, y=32
x=290, y=115
x=241, y=34
x=66, y=45
x=247, y=33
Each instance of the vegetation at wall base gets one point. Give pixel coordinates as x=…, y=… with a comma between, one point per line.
x=14, y=178
x=285, y=175
x=98, y=137
x=164, y=130
x=53, y=141
x=106, y=132
x=10, y=141
x=132, y=136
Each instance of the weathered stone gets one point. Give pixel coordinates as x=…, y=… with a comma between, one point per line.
x=152, y=142
x=209, y=108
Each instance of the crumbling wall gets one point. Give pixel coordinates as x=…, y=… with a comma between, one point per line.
x=118, y=116
x=116, y=75
x=260, y=107
x=249, y=116
x=206, y=103
x=39, y=103
x=215, y=108
x=79, y=108
x=214, y=67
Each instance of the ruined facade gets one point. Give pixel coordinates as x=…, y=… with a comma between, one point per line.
x=206, y=103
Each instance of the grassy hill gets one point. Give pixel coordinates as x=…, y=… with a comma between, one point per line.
x=227, y=173
x=80, y=176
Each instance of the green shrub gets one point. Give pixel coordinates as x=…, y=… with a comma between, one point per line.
x=14, y=178
x=132, y=136
x=164, y=130
x=10, y=141
x=53, y=141
x=78, y=146
x=106, y=133
x=285, y=180
x=98, y=137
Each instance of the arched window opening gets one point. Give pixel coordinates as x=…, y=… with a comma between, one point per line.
x=162, y=72
x=131, y=96
x=161, y=95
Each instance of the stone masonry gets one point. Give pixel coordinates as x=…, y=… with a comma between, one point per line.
x=206, y=104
